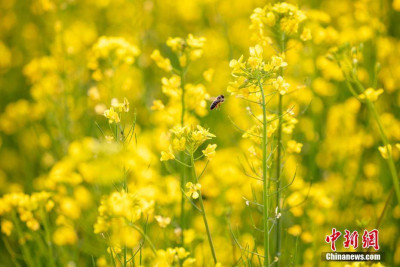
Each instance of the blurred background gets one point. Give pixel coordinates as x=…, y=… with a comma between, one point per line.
x=51, y=101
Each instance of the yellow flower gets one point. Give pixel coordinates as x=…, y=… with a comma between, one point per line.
x=295, y=230
x=256, y=56
x=280, y=85
x=171, y=86
x=65, y=235
x=101, y=262
x=176, y=43
x=157, y=105
x=201, y=134
x=195, y=42
x=163, y=221
x=193, y=190
x=371, y=94
x=179, y=144
x=385, y=151
x=181, y=252
x=276, y=62
x=33, y=224
x=293, y=147
x=270, y=19
x=120, y=106
x=237, y=66
x=109, y=138
x=189, y=262
x=111, y=115
x=49, y=205
x=208, y=75
x=195, y=45
x=306, y=34
x=209, y=152
x=167, y=155
x=125, y=105
x=162, y=63
x=178, y=130
x=6, y=227
x=396, y=5
x=121, y=50
x=183, y=60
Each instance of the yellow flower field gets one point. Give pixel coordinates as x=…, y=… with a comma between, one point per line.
x=199, y=132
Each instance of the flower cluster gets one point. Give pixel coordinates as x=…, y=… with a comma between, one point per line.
x=117, y=214
x=116, y=107
x=172, y=256
x=187, y=50
x=121, y=51
x=248, y=74
x=280, y=17
x=188, y=139
x=28, y=207
x=182, y=96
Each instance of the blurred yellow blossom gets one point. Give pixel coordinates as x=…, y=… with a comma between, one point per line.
x=6, y=227
x=385, y=151
x=209, y=152
x=293, y=147
x=192, y=190
x=371, y=94
x=163, y=221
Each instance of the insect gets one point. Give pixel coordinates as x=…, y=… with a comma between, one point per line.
x=217, y=102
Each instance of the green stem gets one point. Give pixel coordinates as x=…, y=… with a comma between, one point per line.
x=183, y=96
x=203, y=212
x=385, y=141
x=25, y=251
x=125, y=258
x=183, y=158
x=48, y=236
x=126, y=191
x=278, y=180
x=265, y=180
x=146, y=237
x=278, y=162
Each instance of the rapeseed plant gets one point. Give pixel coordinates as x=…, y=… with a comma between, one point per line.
x=274, y=25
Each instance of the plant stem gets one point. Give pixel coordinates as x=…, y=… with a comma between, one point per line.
x=385, y=141
x=278, y=160
x=146, y=237
x=183, y=95
x=278, y=180
x=183, y=158
x=389, y=160
x=125, y=187
x=48, y=236
x=265, y=180
x=25, y=250
x=203, y=212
